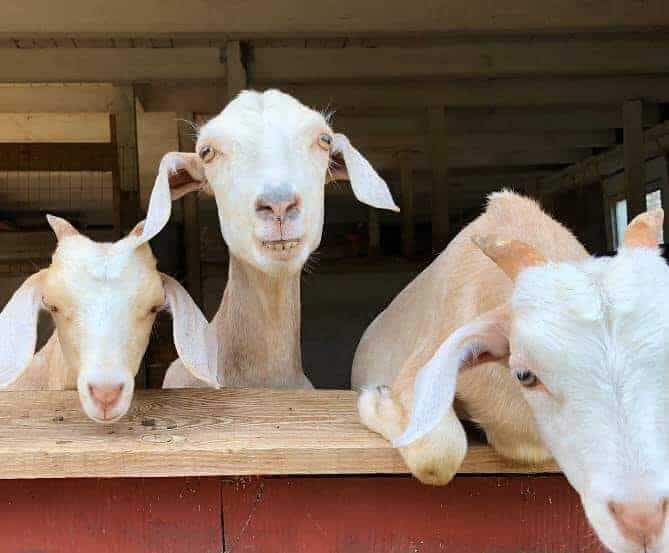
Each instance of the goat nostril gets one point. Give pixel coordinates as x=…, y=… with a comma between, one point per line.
x=106, y=396
x=639, y=522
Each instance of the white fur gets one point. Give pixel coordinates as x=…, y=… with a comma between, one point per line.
x=265, y=147
x=103, y=299
x=594, y=331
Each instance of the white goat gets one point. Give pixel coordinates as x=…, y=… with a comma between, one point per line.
x=556, y=354
x=103, y=298
x=266, y=158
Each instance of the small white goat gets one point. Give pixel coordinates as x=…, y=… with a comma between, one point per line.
x=103, y=298
x=556, y=354
x=266, y=158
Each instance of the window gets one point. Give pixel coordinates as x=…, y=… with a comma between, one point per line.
x=619, y=215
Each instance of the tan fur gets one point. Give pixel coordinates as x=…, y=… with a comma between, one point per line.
x=47, y=371
x=258, y=327
x=459, y=286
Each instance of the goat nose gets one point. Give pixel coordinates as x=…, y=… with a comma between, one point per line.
x=106, y=396
x=640, y=522
x=278, y=209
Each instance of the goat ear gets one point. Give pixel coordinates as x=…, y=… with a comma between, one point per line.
x=18, y=329
x=179, y=174
x=367, y=186
x=194, y=338
x=644, y=230
x=482, y=340
x=61, y=227
x=512, y=256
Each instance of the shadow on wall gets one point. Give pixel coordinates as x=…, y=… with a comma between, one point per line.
x=336, y=310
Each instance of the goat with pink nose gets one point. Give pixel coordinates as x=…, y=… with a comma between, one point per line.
x=553, y=353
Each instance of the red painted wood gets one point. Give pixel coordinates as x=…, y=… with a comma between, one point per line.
x=158, y=515
x=399, y=515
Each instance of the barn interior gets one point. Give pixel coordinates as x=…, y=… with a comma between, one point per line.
x=570, y=107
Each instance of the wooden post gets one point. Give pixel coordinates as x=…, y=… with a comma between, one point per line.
x=191, y=216
x=126, y=175
x=635, y=159
x=374, y=232
x=407, y=207
x=439, y=163
x=664, y=192
x=608, y=222
x=235, y=71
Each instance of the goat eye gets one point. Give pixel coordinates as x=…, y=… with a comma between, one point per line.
x=527, y=378
x=156, y=308
x=207, y=153
x=325, y=141
x=48, y=306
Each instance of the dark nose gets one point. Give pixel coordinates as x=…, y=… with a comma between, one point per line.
x=640, y=522
x=277, y=206
x=107, y=396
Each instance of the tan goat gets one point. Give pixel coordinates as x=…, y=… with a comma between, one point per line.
x=554, y=354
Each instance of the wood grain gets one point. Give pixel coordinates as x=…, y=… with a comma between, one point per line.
x=158, y=515
x=201, y=433
x=493, y=514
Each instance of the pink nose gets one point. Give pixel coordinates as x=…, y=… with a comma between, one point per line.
x=267, y=208
x=640, y=522
x=106, y=397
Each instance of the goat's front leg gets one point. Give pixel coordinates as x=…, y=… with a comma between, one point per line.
x=433, y=459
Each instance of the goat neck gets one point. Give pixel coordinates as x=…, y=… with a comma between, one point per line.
x=258, y=324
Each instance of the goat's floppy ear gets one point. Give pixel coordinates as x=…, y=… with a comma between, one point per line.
x=179, y=174
x=18, y=329
x=644, y=230
x=482, y=340
x=367, y=186
x=194, y=338
x=512, y=256
x=61, y=227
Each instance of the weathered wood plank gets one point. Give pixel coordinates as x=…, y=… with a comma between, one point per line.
x=593, y=168
x=166, y=515
x=77, y=65
x=503, y=92
x=634, y=158
x=54, y=127
x=58, y=98
x=532, y=514
x=348, y=17
x=466, y=59
x=236, y=72
x=201, y=433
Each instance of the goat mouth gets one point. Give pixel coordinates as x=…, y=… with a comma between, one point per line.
x=280, y=246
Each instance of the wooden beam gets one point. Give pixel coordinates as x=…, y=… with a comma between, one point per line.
x=463, y=144
x=191, y=216
x=126, y=176
x=514, y=57
x=38, y=245
x=244, y=432
x=58, y=98
x=635, y=159
x=78, y=65
x=501, y=92
x=57, y=157
x=438, y=157
x=593, y=168
x=291, y=18
x=54, y=127
x=386, y=160
x=237, y=80
x=406, y=206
